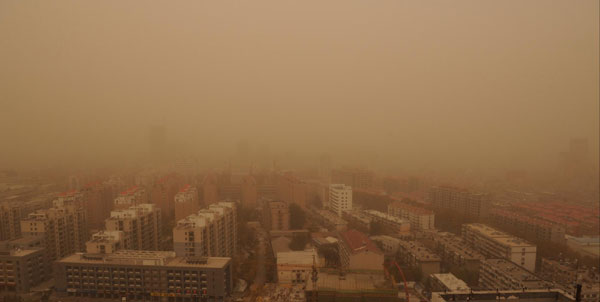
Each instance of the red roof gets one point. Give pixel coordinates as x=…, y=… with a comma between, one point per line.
x=358, y=242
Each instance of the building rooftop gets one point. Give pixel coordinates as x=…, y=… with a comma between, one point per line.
x=498, y=236
x=451, y=282
x=517, y=272
x=151, y=258
x=419, y=251
x=350, y=282
x=358, y=242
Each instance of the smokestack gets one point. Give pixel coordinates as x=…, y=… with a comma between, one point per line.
x=578, y=293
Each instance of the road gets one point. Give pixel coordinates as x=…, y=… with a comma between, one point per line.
x=261, y=258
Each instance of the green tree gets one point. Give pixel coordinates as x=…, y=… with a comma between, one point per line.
x=297, y=217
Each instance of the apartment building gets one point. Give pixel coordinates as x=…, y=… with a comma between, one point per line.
x=565, y=275
x=447, y=282
x=388, y=244
x=496, y=244
x=415, y=254
x=390, y=223
x=459, y=200
x=276, y=216
x=105, y=242
x=291, y=189
x=454, y=251
x=211, y=232
x=537, y=229
x=99, y=202
x=131, y=197
x=64, y=230
x=340, y=198
x=504, y=274
x=530, y=295
x=10, y=221
x=420, y=219
x=186, y=202
x=140, y=224
x=358, y=252
x=144, y=276
x=21, y=269
x=355, y=178
x=329, y=219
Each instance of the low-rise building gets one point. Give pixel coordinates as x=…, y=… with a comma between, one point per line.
x=388, y=244
x=504, y=274
x=566, y=275
x=447, y=282
x=526, y=295
x=420, y=218
x=329, y=219
x=144, y=276
x=496, y=244
x=390, y=223
x=415, y=254
x=295, y=267
x=358, y=252
x=455, y=252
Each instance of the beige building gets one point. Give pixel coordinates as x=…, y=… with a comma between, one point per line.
x=22, y=269
x=455, y=251
x=459, y=200
x=340, y=198
x=447, y=282
x=566, y=274
x=210, y=232
x=64, y=230
x=131, y=197
x=295, y=267
x=415, y=254
x=276, y=216
x=144, y=276
x=358, y=252
x=291, y=189
x=496, y=244
x=105, y=242
x=10, y=221
x=186, y=202
x=503, y=274
x=140, y=224
x=419, y=218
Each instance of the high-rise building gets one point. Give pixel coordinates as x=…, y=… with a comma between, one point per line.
x=144, y=276
x=276, y=216
x=10, y=221
x=105, y=242
x=340, y=198
x=496, y=244
x=355, y=178
x=141, y=226
x=22, y=268
x=291, y=189
x=210, y=232
x=162, y=194
x=131, y=197
x=249, y=192
x=459, y=200
x=99, y=202
x=186, y=202
x=64, y=230
x=210, y=189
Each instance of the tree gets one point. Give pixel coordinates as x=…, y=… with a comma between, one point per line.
x=376, y=228
x=297, y=217
x=298, y=242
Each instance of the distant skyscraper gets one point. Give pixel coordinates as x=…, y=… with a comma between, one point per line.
x=186, y=202
x=210, y=189
x=249, y=191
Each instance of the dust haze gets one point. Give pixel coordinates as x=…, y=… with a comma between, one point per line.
x=467, y=85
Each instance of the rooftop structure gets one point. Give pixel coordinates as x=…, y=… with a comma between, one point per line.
x=448, y=282
x=504, y=274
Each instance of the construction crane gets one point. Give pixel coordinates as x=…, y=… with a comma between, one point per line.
x=387, y=272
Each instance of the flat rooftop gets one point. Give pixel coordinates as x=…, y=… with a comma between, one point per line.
x=150, y=258
x=350, y=282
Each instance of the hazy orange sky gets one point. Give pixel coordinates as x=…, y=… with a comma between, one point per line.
x=484, y=84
